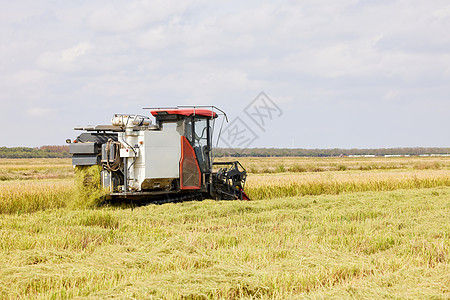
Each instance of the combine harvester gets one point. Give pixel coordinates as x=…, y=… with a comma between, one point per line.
x=168, y=161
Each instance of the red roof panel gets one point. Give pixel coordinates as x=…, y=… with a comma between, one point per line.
x=185, y=112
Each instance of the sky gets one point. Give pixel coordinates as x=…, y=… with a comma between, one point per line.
x=303, y=74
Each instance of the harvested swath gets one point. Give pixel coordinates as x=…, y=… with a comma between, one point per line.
x=88, y=190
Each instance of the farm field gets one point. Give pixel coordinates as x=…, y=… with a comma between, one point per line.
x=318, y=228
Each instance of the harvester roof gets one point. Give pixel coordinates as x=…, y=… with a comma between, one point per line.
x=185, y=112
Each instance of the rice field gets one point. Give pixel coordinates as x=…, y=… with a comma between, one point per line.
x=318, y=228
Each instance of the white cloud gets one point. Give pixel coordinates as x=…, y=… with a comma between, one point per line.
x=69, y=55
x=65, y=60
x=134, y=15
x=40, y=111
x=391, y=95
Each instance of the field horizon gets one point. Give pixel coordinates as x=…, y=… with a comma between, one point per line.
x=62, y=151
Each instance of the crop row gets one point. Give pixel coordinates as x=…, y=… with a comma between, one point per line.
x=29, y=196
x=276, y=186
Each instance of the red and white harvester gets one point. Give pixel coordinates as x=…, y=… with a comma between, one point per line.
x=168, y=160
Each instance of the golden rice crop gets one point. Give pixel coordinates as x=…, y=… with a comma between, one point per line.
x=34, y=162
x=355, y=174
x=324, y=164
x=370, y=245
x=25, y=196
x=30, y=196
x=300, y=184
x=29, y=169
x=35, y=172
x=381, y=244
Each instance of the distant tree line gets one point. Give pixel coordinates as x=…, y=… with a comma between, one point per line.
x=268, y=152
x=63, y=152
x=40, y=152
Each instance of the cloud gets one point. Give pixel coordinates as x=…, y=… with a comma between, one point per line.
x=65, y=60
x=69, y=55
x=40, y=111
x=134, y=15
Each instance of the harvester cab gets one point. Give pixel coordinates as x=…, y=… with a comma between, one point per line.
x=170, y=160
